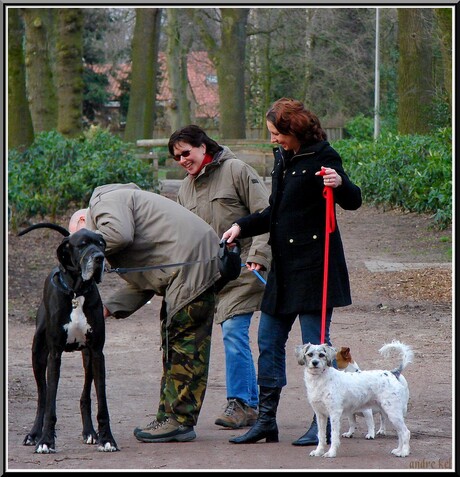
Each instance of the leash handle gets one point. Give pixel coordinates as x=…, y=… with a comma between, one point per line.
x=328, y=194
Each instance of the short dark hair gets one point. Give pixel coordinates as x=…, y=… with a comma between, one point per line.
x=195, y=136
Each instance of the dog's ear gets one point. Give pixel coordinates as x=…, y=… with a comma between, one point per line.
x=300, y=351
x=299, y=354
x=345, y=352
x=63, y=253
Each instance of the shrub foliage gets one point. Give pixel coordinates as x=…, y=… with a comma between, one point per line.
x=411, y=172
x=56, y=173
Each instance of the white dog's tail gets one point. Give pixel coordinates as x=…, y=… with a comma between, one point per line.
x=404, y=350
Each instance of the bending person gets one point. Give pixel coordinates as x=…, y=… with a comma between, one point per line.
x=142, y=228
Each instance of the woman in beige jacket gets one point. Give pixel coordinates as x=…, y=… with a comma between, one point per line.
x=220, y=189
x=144, y=229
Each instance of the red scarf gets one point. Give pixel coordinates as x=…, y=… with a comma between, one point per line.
x=207, y=159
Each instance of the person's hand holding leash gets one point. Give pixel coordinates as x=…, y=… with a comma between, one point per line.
x=253, y=266
x=331, y=178
x=231, y=234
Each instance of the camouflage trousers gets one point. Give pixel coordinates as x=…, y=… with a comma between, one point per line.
x=186, y=345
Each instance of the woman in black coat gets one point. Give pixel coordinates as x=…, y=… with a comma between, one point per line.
x=296, y=219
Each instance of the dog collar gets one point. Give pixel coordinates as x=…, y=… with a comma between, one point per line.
x=59, y=282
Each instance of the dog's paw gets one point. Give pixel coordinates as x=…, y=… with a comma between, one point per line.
x=370, y=435
x=45, y=449
x=317, y=452
x=400, y=453
x=330, y=453
x=90, y=439
x=348, y=434
x=29, y=440
x=108, y=447
x=381, y=432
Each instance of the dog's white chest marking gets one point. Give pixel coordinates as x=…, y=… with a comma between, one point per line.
x=78, y=326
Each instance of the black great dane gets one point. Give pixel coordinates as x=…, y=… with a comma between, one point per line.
x=70, y=318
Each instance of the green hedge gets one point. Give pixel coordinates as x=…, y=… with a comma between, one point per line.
x=56, y=173
x=411, y=172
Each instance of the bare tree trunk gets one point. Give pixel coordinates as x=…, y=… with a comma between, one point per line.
x=310, y=37
x=69, y=71
x=141, y=109
x=20, y=129
x=266, y=86
x=176, y=60
x=40, y=87
x=414, y=73
x=260, y=85
x=229, y=59
x=230, y=73
x=444, y=17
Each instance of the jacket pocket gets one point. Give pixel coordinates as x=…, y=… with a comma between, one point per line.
x=303, y=250
x=227, y=201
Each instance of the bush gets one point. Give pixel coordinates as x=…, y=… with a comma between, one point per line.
x=440, y=116
x=360, y=128
x=56, y=173
x=413, y=172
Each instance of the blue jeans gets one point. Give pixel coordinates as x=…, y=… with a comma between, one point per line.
x=240, y=372
x=272, y=338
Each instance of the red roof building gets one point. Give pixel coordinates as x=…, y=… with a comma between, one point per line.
x=202, y=80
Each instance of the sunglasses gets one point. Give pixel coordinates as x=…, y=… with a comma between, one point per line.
x=177, y=157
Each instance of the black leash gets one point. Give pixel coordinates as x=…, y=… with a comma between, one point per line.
x=156, y=267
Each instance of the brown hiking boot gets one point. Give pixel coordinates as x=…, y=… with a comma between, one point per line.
x=251, y=416
x=168, y=430
x=236, y=415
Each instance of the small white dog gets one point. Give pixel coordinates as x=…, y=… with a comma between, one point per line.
x=346, y=363
x=334, y=394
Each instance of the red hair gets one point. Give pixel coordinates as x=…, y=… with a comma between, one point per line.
x=290, y=117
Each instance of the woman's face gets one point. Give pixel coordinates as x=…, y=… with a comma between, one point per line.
x=189, y=157
x=287, y=141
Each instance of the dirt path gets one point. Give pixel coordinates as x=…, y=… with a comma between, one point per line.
x=410, y=302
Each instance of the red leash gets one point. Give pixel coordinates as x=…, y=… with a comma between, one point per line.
x=328, y=194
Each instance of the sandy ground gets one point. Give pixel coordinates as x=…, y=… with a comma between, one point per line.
x=401, y=284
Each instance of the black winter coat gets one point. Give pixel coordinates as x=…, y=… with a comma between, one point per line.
x=296, y=220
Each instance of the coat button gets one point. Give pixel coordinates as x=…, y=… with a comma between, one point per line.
x=304, y=171
x=293, y=173
x=315, y=237
x=291, y=240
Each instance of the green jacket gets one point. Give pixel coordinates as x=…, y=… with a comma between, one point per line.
x=224, y=191
x=142, y=228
